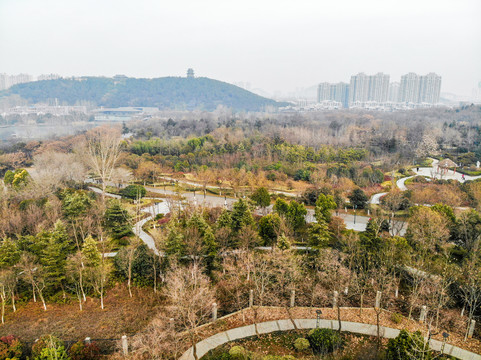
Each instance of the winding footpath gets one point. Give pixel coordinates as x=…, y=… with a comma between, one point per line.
x=212, y=342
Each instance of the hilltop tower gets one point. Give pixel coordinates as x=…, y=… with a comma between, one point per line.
x=190, y=73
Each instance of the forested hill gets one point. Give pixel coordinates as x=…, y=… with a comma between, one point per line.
x=165, y=93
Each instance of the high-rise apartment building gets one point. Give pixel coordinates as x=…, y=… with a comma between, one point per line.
x=323, y=92
x=358, y=88
x=333, y=92
x=429, y=88
x=375, y=91
x=420, y=89
x=365, y=88
x=9, y=80
x=393, y=93
x=378, y=87
x=3, y=81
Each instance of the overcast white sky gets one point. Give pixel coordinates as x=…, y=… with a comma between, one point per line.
x=273, y=44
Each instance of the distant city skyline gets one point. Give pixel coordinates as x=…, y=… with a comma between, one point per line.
x=375, y=90
x=273, y=45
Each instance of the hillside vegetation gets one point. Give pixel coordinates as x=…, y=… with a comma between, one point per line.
x=165, y=93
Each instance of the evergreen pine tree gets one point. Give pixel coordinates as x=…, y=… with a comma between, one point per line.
x=324, y=205
x=319, y=235
x=224, y=220
x=117, y=222
x=91, y=252
x=241, y=215
x=209, y=249
x=9, y=253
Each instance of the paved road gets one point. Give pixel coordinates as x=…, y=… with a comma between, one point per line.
x=224, y=337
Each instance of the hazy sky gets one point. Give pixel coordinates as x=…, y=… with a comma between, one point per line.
x=273, y=44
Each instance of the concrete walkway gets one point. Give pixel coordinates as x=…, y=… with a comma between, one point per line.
x=432, y=172
x=204, y=346
x=376, y=198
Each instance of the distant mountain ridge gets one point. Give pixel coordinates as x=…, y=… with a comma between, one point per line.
x=176, y=93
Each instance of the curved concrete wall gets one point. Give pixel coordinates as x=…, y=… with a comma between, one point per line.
x=216, y=340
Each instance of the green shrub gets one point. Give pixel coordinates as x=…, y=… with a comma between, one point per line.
x=324, y=341
x=53, y=353
x=238, y=353
x=278, y=357
x=133, y=192
x=407, y=346
x=49, y=348
x=301, y=344
x=396, y=318
x=44, y=342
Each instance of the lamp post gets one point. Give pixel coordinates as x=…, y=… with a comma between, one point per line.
x=318, y=313
x=355, y=208
x=445, y=338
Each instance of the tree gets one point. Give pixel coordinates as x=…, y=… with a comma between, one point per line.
x=281, y=207
x=209, y=250
x=75, y=206
x=9, y=253
x=283, y=242
x=51, y=172
x=296, y=215
x=466, y=230
x=8, y=281
x=269, y=227
x=124, y=261
x=75, y=274
x=428, y=232
x=53, y=257
x=148, y=171
x=117, y=222
x=358, y=198
x=324, y=205
x=102, y=150
x=261, y=197
x=32, y=272
x=470, y=284
x=98, y=269
x=319, y=235
x=174, y=242
x=191, y=296
x=241, y=215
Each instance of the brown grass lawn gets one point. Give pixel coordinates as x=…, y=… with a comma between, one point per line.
x=122, y=316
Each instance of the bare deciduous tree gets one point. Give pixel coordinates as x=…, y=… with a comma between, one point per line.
x=102, y=151
x=191, y=295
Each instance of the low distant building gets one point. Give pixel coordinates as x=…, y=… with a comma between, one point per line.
x=123, y=113
x=48, y=77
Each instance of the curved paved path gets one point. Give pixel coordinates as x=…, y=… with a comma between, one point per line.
x=401, y=183
x=376, y=198
x=216, y=340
